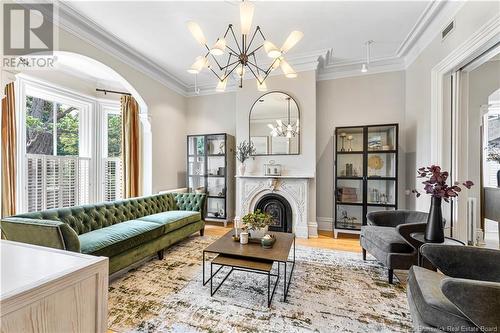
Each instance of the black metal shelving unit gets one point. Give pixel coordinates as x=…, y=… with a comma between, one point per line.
x=210, y=169
x=365, y=174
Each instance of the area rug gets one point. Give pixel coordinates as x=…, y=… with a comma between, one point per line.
x=331, y=291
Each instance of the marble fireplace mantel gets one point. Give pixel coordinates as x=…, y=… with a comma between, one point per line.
x=294, y=188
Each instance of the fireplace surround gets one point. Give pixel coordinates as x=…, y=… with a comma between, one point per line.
x=295, y=190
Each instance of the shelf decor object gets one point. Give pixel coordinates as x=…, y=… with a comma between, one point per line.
x=365, y=174
x=272, y=168
x=210, y=170
x=236, y=55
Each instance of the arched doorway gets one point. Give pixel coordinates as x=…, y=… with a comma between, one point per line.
x=68, y=92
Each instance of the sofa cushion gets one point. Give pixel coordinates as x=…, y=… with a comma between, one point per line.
x=173, y=219
x=119, y=237
x=434, y=308
x=386, y=238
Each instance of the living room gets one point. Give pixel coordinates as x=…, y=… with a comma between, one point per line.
x=250, y=166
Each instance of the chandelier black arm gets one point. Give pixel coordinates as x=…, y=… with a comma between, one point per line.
x=215, y=73
x=256, y=77
x=208, y=53
x=251, y=40
x=229, y=65
x=257, y=67
x=234, y=36
x=268, y=70
x=255, y=60
x=232, y=51
x=228, y=60
x=258, y=48
x=232, y=70
x=227, y=30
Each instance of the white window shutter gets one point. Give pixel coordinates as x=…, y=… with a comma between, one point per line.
x=57, y=181
x=113, y=179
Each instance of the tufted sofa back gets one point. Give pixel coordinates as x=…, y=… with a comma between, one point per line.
x=86, y=218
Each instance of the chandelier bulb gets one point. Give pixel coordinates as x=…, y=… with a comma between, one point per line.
x=221, y=86
x=219, y=47
x=271, y=50
x=197, y=33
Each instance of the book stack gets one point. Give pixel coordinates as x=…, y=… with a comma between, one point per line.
x=348, y=194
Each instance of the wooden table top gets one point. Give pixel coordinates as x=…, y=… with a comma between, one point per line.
x=279, y=252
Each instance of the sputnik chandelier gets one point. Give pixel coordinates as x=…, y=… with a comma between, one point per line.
x=241, y=53
x=287, y=130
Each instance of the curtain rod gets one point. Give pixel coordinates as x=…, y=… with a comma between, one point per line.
x=113, y=92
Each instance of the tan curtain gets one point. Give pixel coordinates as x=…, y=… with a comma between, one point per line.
x=130, y=147
x=8, y=152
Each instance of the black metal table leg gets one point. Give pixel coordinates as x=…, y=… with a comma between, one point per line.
x=284, y=285
x=203, y=263
x=269, y=289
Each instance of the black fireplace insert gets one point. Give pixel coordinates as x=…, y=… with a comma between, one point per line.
x=279, y=208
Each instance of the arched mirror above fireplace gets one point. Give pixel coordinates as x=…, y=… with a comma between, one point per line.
x=274, y=125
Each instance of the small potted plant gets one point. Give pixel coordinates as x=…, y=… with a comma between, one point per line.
x=257, y=223
x=243, y=152
x=435, y=185
x=494, y=156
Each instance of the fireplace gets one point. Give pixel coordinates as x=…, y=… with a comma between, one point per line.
x=279, y=208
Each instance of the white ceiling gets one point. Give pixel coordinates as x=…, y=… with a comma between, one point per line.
x=158, y=31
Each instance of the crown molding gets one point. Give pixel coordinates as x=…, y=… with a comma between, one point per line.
x=330, y=71
x=430, y=12
x=428, y=29
x=86, y=29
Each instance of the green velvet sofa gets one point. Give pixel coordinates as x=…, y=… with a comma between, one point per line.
x=126, y=231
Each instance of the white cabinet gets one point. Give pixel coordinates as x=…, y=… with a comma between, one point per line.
x=49, y=290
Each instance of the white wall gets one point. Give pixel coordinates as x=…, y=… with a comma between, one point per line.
x=212, y=114
x=361, y=100
x=469, y=19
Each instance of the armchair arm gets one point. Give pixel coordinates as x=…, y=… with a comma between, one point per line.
x=385, y=218
x=405, y=230
x=477, y=300
x=47, y=233
x=464, y=262
x=191, y=201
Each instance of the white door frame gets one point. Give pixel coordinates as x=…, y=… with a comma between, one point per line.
x=486, y=37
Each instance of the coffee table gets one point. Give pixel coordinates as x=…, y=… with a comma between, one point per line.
x=252, y=258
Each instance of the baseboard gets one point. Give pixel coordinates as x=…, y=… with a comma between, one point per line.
x=324, y=223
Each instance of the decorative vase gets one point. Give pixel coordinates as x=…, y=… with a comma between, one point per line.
x=258, y=233
x=434, y=230
x=242, y=169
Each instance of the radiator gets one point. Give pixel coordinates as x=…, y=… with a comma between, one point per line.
x=473, y=222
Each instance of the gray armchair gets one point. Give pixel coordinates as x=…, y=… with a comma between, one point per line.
x=387, y=237
x=465, y=298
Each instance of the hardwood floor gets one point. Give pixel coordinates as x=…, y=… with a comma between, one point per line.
x=344, y=242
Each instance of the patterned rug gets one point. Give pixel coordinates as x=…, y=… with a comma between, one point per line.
x=331, y=291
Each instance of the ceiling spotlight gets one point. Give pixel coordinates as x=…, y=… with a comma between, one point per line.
x=364, y=67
